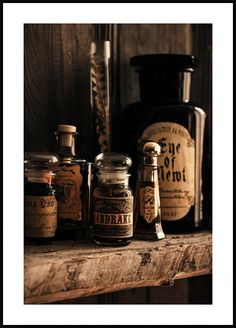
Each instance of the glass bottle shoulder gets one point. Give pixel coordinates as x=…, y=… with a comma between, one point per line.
x=143, y=115
x=164, y=109
x=39, y=189
x=71, y=161
x=73, y=165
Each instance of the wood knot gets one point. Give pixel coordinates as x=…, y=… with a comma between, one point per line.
x=145, y=258
x=167, y=283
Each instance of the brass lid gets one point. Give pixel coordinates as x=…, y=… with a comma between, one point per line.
x=40, y=160
x=149, y=152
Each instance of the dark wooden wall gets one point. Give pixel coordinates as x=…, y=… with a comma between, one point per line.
x=56, y=83
x=56, y=88
x=57, y=73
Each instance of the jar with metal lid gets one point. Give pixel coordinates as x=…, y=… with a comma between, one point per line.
x=113, y=200
x=40, y=203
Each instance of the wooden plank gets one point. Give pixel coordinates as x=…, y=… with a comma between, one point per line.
x=56, y=84
x=37, y=88
x=68, y=270
x=136, y=294
x=138, y=39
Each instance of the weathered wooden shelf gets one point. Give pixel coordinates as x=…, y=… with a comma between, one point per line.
x=68, y=269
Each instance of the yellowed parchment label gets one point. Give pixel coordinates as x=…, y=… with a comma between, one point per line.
x=40, y=216
x=68, y=181
x=176, y=169
x=148, y=203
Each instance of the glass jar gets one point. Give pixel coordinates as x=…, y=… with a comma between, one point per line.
x=40, y=204
x=113, y=200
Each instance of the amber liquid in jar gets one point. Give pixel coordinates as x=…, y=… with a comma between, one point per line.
x=39, y=230
x=40, y=203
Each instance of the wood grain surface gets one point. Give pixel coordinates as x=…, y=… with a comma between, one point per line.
x=138, y=39
x=68, y=270
x=56, y=84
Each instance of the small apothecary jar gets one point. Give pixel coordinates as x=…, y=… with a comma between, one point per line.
x=113, y=200
x=40, y=204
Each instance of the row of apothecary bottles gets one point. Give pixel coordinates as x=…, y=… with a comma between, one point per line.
x=64, y=201
x=163, y=134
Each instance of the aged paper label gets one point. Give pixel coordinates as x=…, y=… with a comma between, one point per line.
x=40, y=216
x=148, y=203
x=113, y=216
x=68, y=181
x=176, y=169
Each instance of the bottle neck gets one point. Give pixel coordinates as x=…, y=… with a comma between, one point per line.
x=65, y=146
x=148, y=173
x=164, y=86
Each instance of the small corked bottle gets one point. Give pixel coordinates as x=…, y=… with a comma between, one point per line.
x=113, y=200
x=40, y=203
x=72, y=185
x=147, y=220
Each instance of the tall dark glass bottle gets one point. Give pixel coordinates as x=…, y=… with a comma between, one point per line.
x=165, y=115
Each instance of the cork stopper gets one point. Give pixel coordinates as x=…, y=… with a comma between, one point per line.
x=66, y=128
x=66, y=135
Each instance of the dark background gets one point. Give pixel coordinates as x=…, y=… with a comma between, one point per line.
x=57, y=91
